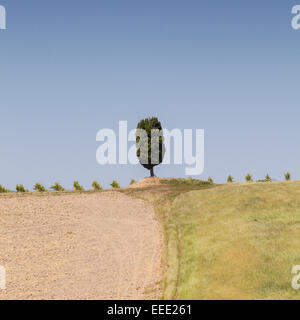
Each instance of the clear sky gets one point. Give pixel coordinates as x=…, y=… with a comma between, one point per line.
x=69, y=68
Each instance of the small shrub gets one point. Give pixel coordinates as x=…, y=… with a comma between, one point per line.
x=39, y=188
x=249, y=177
x=96, y=186
x=115, y=184
x=268, y=178
x=132, y=181
x=287, y=176
x=230, y=179
x=210, y=180
x=3, y=190
x=20, y=188
x=77, y=186
x=57, y=187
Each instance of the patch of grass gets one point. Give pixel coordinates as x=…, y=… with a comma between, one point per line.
x=189, y=182
x=233, y=241
x=238, y=242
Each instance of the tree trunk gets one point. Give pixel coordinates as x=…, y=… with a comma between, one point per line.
x=152, y=172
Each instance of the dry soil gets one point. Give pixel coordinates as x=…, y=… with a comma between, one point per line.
x=79, y=246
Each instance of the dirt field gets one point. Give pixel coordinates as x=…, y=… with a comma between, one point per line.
x=79, y=246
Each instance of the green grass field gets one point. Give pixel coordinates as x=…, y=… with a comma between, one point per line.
x=233, y=241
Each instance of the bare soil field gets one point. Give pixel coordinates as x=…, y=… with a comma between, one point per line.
x=79, y=246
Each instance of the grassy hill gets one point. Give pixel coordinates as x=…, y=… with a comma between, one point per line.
x=234, y=241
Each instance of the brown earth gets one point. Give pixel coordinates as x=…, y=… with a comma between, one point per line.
x=79, y=246
x=146, y=182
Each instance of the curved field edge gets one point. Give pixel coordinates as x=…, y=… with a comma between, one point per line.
x=162, y=197
x=234, y=241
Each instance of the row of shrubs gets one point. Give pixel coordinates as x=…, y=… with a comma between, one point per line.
x=57, y=187
x=97, y=187
x=249, y=178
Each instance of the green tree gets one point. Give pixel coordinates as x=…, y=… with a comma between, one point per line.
x=210, y=180
x=150, y=143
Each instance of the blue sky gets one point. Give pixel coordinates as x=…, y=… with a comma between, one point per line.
x=69, y=68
